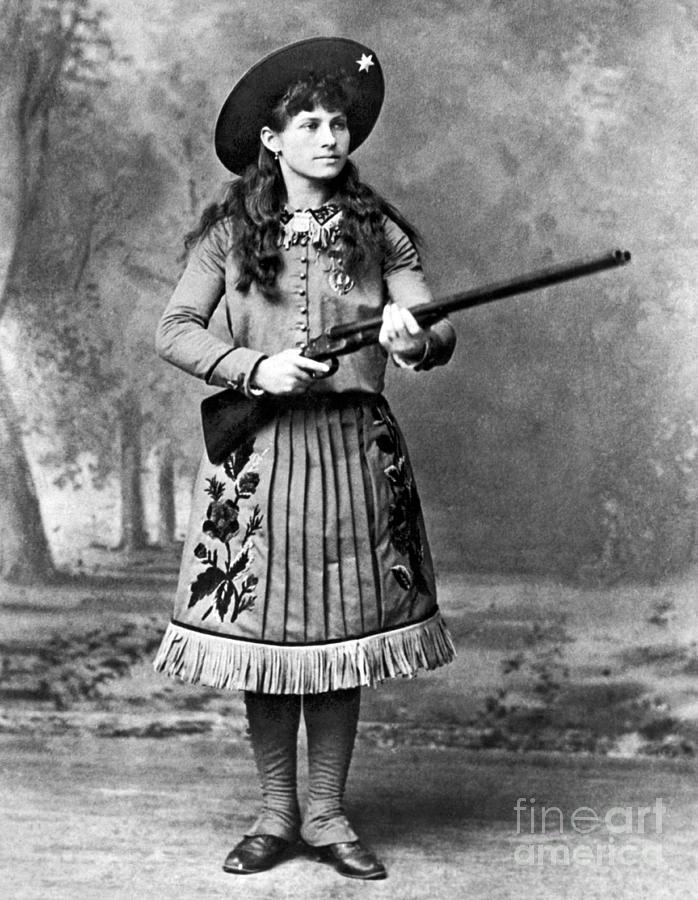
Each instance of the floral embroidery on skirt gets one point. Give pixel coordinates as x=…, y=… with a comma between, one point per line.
x=229, y=582
x=306, y=564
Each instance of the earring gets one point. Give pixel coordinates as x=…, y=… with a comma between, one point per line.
x=276, y=156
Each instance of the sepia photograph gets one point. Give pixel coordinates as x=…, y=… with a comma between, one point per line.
x=348, y=449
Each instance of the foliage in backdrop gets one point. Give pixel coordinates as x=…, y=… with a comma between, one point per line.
x=565, y=433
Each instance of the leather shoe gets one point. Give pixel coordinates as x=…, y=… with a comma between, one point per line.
x=350, y=858
x=255, y=853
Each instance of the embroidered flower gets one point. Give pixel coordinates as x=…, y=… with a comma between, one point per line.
x=400, y=523
x=247, y=484
x=222, y=520
x=231, y=583
x=404, y=511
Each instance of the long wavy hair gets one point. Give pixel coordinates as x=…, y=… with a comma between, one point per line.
x=254, y=202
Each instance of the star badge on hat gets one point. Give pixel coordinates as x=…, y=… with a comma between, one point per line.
x=365, y=62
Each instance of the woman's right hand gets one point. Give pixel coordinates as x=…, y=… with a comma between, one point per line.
x=286, y=373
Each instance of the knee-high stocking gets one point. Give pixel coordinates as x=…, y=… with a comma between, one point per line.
x=273, y=722
x=330, y=720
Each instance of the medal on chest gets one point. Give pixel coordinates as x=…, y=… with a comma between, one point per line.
x=340, y=282
x=320, y=228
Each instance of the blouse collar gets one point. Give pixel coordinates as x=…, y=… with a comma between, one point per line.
x=319, y=227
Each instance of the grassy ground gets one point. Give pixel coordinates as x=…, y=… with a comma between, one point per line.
x=540, y=665
x=118, y=783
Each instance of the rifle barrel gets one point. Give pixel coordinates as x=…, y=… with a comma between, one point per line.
x=534, y=281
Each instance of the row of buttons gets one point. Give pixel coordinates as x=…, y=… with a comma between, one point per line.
x=303, y=310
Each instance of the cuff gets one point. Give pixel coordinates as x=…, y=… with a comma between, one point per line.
x=234, y=370
x=249, y=390
x=442, y=344
x=415, y=364
x=441, y=340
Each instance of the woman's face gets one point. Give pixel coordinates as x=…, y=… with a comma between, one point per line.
x=314, y=145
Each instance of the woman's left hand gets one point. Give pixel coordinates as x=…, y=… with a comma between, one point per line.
x=401, y=334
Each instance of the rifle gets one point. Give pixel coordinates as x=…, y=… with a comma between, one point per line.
x=229, y=418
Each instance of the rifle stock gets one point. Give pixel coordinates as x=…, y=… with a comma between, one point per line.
x=229, y=417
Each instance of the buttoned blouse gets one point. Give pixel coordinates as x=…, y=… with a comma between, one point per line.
x=306, y=305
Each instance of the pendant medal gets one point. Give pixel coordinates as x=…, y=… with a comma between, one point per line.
x=340, y=282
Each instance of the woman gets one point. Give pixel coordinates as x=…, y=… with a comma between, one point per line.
x=306, y=571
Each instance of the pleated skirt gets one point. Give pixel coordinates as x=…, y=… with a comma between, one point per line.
x=306, y=565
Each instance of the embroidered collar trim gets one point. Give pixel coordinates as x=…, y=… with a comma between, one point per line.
x=319, y=227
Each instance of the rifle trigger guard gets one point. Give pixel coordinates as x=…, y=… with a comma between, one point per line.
x=333, y=363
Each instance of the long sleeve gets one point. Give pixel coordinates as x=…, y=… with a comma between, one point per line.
x=182, y=336
x=404, y=278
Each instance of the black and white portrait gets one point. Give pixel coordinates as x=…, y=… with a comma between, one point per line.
x=411, y=598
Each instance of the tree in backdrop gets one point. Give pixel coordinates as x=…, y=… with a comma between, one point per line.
x=51, y=57
x=83, y=188
x=123, y=198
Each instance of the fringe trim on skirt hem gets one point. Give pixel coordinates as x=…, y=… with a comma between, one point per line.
x=223, y=662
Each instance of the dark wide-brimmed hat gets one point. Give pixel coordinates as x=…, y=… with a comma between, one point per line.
x=249, y=104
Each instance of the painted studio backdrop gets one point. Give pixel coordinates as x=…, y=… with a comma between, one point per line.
x=561, y=440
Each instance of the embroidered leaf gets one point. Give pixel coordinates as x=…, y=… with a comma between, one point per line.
x=417, y=554
x=205, y=584
x=254, y=524
x=224, y=595
x=393, y=474
x=246, y=603
x=240, y=564
x=385, y=443
x=215, y=488
x=244, y=598
x=403, y=576
x=242, y=456
x=200, y=551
